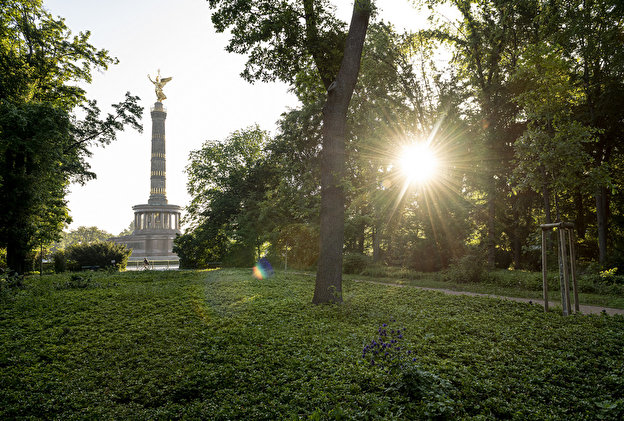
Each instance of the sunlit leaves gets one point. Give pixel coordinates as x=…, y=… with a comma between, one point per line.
x=553, y=152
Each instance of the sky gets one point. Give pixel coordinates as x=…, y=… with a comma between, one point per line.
x=206, y=99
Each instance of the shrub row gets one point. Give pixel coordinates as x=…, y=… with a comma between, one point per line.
x=472, y=269
x=98, y=255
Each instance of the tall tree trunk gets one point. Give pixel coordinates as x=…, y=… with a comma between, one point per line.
x=581, y=225
x=328, y=287
x=376, y=245
x=491, y=225
x=547, y=211
x=516, y=245
x=16, y=256
x=361, y=238
x=516, y=242
x=15, y=228
x=601, y=217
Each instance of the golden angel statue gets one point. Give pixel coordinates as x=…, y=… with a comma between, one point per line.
x=159, y=83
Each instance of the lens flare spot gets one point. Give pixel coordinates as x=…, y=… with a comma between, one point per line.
x=262, y=269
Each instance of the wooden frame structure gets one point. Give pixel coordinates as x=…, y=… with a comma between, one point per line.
x=565, y=229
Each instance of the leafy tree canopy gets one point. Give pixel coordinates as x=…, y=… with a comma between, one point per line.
x=43, y=143
x=82, y=235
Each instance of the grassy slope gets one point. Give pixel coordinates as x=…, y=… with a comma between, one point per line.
x=220, y=345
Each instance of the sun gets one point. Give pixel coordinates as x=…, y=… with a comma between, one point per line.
x=418, y=163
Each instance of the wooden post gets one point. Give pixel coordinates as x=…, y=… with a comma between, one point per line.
x=572, y=239
x=564, y=264
x=544, y=270
x=562, y=256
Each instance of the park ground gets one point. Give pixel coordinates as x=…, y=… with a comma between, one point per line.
x=222, y=345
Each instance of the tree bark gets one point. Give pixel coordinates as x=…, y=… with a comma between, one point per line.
x=361, y=238
x=16, y=256
x=15, y=232
x=376, y=245
x=581, y=225
x=547, y=211
x=328, y=287
x=516, y=243
x=491, y=225
x=601, y=217
x=547, y=214
x=517, y=248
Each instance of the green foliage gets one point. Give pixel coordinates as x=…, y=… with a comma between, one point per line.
x=227, y=182
x=94, y=255
x=471, y=268
x=9, y=282
x=553, y=153
x=78, y=282
x=198, y=248
x=127, y=231
x=607, y=282
x=354, y=263
x=609, y=274
x=279, y=43
x=60, y=261
x=588, y=282
x=43, y=144
x=298, y=243
x=81, y=235
x=388, y=353
x=239, y=255
x=526, y=117
x=395, y=272
x=222, y=345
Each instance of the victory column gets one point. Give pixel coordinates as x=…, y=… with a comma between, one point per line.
x=157, y=222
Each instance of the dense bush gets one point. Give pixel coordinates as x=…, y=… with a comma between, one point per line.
x=354, y=263
x=298, y=243
x=239, y=255
x=382, y=271
x=60, y=261
x=470, y=268
x=93, y=255
x=594, y=280
x=503, y=258
x=530, y=281
x=9, y=281
x=590, y=283
x=200, y=248
x=419, y=255
x=77, y=282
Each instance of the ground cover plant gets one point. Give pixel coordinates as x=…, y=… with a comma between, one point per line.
x=224, y=345
x=595, y=287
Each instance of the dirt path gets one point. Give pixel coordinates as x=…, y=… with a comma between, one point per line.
x=583, y=308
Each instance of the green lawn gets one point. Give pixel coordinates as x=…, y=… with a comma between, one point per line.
x=222, y=345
